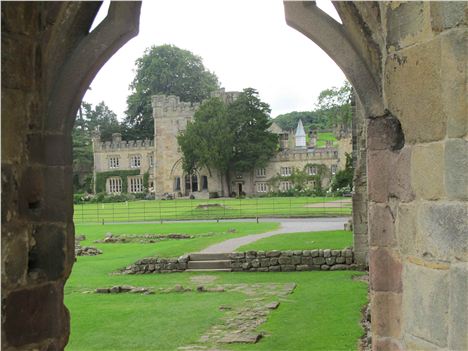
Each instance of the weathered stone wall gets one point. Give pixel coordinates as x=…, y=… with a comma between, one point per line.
x=407, y=62
x=289, y=261
x=157, y=265
x=360, y=229
x=257, y=261
x=418, y=214
x=48, y=62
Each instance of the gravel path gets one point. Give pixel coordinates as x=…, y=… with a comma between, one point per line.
x=287, y=225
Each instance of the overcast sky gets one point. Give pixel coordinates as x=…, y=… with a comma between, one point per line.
x=246, y=43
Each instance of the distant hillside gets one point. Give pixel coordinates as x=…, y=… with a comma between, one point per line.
x=310, y=119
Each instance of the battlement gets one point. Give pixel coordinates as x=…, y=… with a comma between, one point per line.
x=124, y=145
x=306, y=154
x=170, y=105
x=226, y=96
x=163, y=104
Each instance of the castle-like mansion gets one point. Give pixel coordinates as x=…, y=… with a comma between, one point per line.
x=131, y=166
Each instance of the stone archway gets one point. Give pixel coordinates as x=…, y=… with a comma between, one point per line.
x=49, y=58
x=407, y=63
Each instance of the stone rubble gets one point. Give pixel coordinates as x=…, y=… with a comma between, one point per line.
x=240, y=322
x=86, y=250
x=124, y=289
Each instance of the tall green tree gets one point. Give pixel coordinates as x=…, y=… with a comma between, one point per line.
x=207, y=141
x=102, y=117
x=249, y=121
x=232, y=138
x=89, y=118
x=165, y=69
x=334, y=105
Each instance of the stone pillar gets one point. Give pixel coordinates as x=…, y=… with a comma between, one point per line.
x=360, y=234
x=42, y=87
x=425, y=206
x=407, y=62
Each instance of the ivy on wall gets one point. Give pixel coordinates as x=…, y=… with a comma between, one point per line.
x=145, y=180
x=101, y=179
x=300, y=178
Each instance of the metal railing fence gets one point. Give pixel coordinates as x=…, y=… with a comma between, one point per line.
x=217, y=209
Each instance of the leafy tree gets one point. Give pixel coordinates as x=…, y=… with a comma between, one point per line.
x=100, y=116
x=232, y=138
x=333, y=110
x=165, y=69
x=344, y=178
x=89, y=119
x=311, y=120
x=207, y=141
x=335, y=106
x=249, y=121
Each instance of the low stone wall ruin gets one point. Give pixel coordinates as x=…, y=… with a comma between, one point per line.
x=157, y=265
x=288, y=261
x=257, y=261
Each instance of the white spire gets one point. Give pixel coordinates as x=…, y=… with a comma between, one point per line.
x=300, y=135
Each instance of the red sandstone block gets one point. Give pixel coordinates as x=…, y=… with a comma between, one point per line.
x=386, y=344
x=386, y=314
x=381, y=225
x=380, y=168
x=385, y=270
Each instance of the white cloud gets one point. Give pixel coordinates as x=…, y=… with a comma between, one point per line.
x=245, y=42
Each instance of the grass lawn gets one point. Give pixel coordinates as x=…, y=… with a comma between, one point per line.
x=323, y=137
x=155, y=210
x=334, y=239
x=322, y=313
x=93, y=271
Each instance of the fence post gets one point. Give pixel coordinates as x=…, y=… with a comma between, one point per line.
x=82, y=213
x=240, y=206
x=97, y=212
x=128, y=211
x=113, y=213
x=159, y=204
x=256, y=207
x=144, y=211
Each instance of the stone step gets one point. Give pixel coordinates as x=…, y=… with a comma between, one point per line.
x=209, y=270
x=219, y=264
x=198, y=256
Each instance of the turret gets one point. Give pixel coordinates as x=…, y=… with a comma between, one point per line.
x=96, y=138
x=116, y=138
x=300, y=136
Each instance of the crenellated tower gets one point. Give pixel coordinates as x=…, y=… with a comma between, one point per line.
x=170, y=118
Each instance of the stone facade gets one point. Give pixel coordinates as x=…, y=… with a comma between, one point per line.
x=118, y=155
x=162, y=158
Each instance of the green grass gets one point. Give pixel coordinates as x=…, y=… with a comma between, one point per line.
x=323, y=137
x=323, y=313
x=92, y=271
x=155, y=210
x=335, y=239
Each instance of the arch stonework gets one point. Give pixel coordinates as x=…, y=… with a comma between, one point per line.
x=409, y=70
x=49, y=58
x=407, y=63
